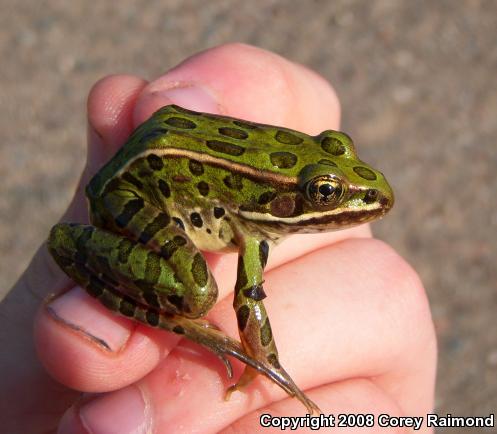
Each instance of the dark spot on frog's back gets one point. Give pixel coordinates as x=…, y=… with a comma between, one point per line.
x=234, y=133
x=131, y=208
x=164, y=188
x=365, y=173
x=283, y=160
x=159, y=222
x=203, y=188
x=196, y=168
x=155, y=162
x=128, y=177
x=245, y=125
x=199, y=270
x=327, y=162
x=182, y=123
x=333, y=146
x=225, y=147
x=288, y=138
x=233, y=181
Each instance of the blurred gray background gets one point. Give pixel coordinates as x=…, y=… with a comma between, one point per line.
x=418, y=85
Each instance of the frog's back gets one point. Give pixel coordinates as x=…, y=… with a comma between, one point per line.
x=176, y=131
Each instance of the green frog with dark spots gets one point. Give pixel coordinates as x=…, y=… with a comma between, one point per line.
x=188, y=181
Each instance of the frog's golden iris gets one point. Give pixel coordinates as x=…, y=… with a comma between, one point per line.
x=325, y=191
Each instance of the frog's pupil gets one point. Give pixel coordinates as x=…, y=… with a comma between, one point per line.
x=326, y=189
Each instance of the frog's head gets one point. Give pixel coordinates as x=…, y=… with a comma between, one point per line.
x=333, y=190
x=341, y=190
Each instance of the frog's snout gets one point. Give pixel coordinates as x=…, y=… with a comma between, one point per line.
x=386, y=198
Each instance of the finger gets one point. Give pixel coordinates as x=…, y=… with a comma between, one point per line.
x=110, y=110
x=358, y=320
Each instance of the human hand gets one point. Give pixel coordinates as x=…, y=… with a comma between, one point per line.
x=347, y=312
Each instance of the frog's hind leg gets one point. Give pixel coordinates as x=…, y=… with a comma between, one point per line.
x=104, y=264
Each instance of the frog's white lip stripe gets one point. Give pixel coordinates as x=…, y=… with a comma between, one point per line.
x=302, y=219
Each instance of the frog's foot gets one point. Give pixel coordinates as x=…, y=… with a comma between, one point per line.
x=282, y=379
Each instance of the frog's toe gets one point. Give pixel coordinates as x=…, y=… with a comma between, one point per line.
x=227, y=364
x=248, y=375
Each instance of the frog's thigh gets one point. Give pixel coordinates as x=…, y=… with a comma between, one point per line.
x=184, y=279
x=135, y=270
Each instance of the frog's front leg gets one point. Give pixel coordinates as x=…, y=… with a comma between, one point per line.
x=253, y=322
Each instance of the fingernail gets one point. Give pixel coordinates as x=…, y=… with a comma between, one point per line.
x=76, y=309
x=192, y=96
x=123, y=411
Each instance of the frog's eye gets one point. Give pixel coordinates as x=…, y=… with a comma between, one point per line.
x=325, y=190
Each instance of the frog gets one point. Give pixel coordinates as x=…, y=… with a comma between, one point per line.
x=187, y=182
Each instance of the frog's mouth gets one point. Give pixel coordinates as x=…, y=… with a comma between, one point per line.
x=353, y=211
x=321, y=221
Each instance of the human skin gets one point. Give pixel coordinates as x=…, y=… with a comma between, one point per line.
x=349, y=315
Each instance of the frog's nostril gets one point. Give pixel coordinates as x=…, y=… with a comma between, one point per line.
x=371, y=196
